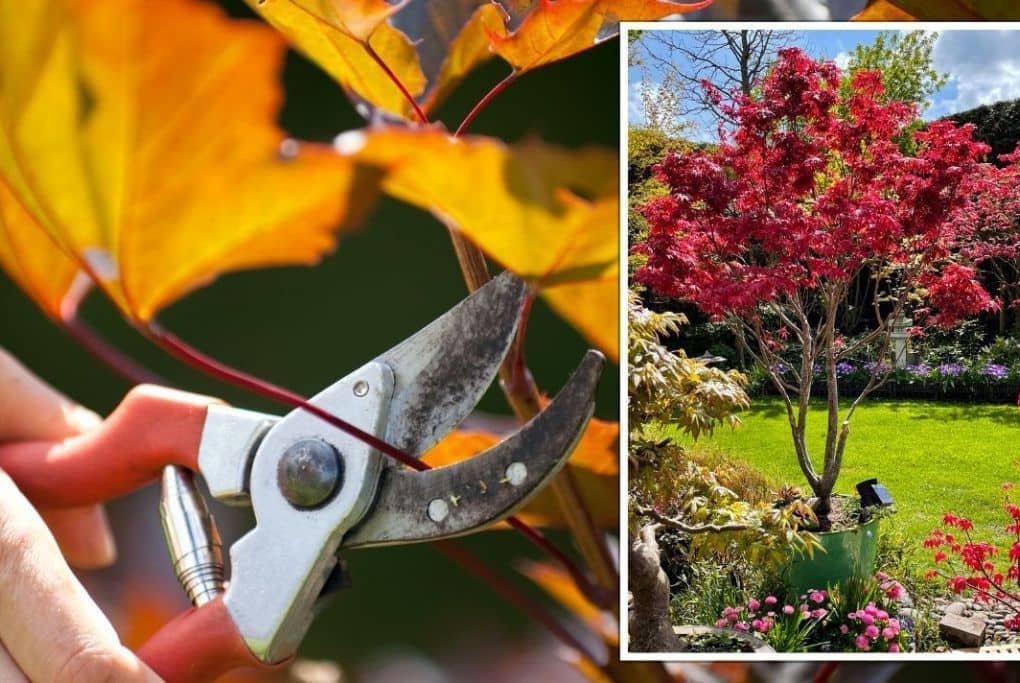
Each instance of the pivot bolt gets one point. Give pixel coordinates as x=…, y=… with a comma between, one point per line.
x=309, y=472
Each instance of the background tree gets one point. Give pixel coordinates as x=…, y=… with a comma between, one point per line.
x=906, y=64
x=732, y=60
x=810, y=190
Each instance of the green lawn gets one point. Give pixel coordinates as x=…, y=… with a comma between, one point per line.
x=933, y=457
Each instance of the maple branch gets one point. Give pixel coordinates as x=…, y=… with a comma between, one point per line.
x=422, y=118
x=484, y=102
x=106, y=353
x=523, y=395
x=510, y=593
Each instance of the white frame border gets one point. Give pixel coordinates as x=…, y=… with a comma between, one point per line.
x=625, y=28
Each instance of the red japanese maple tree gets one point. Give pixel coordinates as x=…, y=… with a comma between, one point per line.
x=807, y=191
x=988, y=227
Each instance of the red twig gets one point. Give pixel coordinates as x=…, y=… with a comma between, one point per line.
x=510, y=593
x=397, y=82
x=824, y=672
x=106, y=353
x=484, y=102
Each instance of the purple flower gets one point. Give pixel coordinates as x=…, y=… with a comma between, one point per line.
x=877, y=368
x=950, y=369
x=920, y=370
x=995, y=370
x=844, y=368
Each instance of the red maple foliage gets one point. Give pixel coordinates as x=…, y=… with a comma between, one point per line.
x=808, y=190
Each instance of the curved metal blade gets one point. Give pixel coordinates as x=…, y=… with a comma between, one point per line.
x=461, y=498
x=441, y=372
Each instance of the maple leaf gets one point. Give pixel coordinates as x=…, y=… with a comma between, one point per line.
x=594, y=463
x=912, y=10
x=555, y=29
x=138, y=138
x=430, y=46
x=545, y=212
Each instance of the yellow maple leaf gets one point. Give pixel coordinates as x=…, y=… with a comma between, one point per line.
x=556, y=29
x=147, y=153
x=547, y=213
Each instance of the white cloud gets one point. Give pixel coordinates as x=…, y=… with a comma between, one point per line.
x=984, y=68
x=842, y=59
x=635, y=107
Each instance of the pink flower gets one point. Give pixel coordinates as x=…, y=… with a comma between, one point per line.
x=771, y=600
x=760, y=625
x=882, y=576
x=818, y=613
x=741, y=626
x=881, y=614
x=866, y=618
x=721, y=623
x=888, y=633
x=862, y=643
x=871, y=632
x=893, y=647
x=844, y=629
x=788, y=609
x=753, y=604
x=818, y=597
x=895, y=591
x=871, y=609
x=894, y=623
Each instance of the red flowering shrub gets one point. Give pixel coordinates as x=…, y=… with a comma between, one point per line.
x=808, y=191
x=979, y=568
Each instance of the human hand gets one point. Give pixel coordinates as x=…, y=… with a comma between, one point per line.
x=50, y=629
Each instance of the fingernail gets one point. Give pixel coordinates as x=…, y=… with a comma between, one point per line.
x=83, y=419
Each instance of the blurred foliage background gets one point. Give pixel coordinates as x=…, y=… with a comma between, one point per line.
x=306, y=327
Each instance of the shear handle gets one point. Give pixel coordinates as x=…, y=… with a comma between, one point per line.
x=152, y=427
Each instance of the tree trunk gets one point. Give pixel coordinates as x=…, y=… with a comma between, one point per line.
x=651, y=629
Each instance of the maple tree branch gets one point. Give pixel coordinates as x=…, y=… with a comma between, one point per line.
x=510, y=593
x=484, y=102
x=524, y=398
x=106, y=353
x=422, y=118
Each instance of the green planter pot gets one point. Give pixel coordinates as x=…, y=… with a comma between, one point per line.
x=843, y=555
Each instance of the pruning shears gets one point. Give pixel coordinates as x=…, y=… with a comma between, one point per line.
x=315, y=489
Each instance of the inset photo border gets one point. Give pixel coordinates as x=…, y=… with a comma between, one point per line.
x=821, y=306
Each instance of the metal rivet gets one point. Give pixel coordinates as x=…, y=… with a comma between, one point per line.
x=516, y=473
x=438, y=510
x=309, y=472
x=360, y=388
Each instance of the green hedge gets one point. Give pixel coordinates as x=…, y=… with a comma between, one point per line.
x=997, y=125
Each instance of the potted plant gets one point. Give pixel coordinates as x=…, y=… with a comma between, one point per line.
x=808, y=197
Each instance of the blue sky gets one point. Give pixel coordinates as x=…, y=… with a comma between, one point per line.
x=983, y=67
